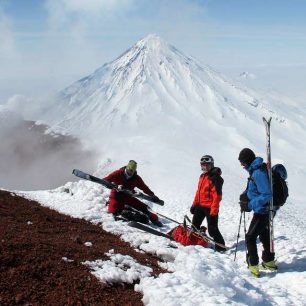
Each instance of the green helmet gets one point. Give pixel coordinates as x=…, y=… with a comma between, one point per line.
x=131, y=166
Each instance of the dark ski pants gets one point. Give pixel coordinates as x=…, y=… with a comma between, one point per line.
x=259, y=227
x=118, y=201
x=199, y=215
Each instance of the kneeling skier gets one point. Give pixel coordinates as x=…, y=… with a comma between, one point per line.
x=125, y=205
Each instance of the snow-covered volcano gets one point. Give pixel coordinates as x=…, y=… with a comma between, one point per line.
x=152, y=79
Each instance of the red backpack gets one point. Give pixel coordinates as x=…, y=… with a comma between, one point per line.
x=185, y=236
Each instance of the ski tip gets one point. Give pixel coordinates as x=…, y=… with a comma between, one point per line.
x=267, y=120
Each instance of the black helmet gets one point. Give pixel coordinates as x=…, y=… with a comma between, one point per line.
x=246, y=156
x=207, y=159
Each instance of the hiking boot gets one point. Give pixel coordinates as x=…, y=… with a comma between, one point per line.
x=270, y=265
x=254, y=270
x=157, y=223
x=203, y=230
x=154, y=219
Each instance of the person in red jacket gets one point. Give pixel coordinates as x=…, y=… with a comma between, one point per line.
x=120, y=203
x=207, y=199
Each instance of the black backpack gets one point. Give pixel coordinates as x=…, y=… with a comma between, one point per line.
x=280, y=187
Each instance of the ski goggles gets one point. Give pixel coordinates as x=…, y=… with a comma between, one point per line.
x=206, y=160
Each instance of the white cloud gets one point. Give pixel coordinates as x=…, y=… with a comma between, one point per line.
x=7, y=42
x=62, y=12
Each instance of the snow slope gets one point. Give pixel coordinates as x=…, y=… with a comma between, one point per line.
x=199, y=276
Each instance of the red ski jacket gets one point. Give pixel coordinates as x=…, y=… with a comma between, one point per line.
x=209, y=193
x=119, y=178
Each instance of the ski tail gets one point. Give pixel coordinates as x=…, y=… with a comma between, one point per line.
x=92, y=178
x=148, y=229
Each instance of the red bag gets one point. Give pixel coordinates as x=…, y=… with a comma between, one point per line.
x=183, y=235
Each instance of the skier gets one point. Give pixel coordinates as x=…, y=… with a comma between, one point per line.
x=207, y=199
x=125, y=205
x=256, y=198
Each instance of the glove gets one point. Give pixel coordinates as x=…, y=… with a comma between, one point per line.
x=119, y=188
x=244, y=206
x=244, y=203
x=192, y=208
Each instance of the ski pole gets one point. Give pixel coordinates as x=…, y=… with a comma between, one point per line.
x=238, y=235
x=168, y=218
x=245, y=246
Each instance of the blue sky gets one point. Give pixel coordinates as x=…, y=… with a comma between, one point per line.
x=54, y=42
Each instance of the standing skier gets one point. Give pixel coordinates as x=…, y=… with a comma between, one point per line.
x=256, y=198
x=120, y=203
x=207, y=199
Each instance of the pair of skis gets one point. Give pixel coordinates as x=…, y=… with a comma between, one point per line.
x=267, y=124
x=110, y=185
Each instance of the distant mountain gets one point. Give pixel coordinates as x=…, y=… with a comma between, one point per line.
x=150, y=80
x=247, y=75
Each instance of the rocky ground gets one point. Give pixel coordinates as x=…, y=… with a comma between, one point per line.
x=33, y=242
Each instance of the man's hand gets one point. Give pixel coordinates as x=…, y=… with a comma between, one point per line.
x=119, y=188
x=244, y=206
x=192, y=208
x=213, y=213
x=244, y=203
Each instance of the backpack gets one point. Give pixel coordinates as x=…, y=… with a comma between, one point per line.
x=186, y=236
x=279, y=186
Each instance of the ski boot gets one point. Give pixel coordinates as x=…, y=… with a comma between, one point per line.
x=254, y=270
x=154, y=219
x=270, y=265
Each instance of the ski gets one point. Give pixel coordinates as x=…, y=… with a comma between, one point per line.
x=267, y=124
x=148, y=229
x=110, y=185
